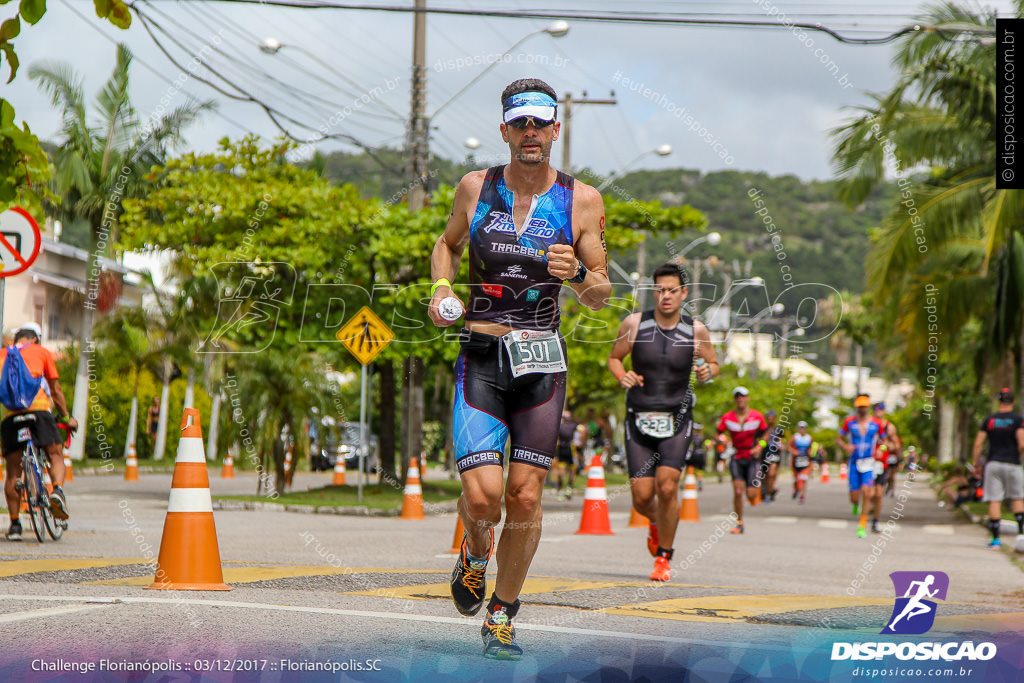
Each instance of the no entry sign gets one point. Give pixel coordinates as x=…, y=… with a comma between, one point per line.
x=19, y=241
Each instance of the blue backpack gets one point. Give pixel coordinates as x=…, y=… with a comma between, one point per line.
x=18, y=388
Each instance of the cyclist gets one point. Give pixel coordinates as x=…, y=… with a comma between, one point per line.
x=45, y=435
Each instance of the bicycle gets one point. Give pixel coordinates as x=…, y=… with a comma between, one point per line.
x=35, y=472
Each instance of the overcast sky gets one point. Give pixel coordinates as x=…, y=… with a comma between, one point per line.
x=760, y=99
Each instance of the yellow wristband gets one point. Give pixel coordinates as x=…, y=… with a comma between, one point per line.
x=441, y=282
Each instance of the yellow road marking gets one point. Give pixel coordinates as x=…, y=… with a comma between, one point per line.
x=735, y=607
x=268, y=573
x=530, y=587
x=16, y=567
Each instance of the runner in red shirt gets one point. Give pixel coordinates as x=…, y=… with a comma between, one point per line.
x=745, y=427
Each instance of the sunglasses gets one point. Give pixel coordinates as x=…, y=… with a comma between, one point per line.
x=523, y=121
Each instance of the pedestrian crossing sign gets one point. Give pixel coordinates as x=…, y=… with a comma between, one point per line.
x=365, y=335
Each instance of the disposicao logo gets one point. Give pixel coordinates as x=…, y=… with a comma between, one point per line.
x=914, y=614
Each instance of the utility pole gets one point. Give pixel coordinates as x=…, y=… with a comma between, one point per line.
x=418, y=124
x=566, y=134
x=419, y=152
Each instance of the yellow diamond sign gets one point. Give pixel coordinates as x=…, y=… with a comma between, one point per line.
x=365, y=335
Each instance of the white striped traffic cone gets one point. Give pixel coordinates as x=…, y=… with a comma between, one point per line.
x=688, y=511
x=595, y=519
x=339, y=469
x=227, y=470
x=412, y=501
x=189, y=556
x=131, y=465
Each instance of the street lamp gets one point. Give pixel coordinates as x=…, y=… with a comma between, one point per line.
x=660, y=150
x=556, y=29
x=775, y=309
x=272, y=46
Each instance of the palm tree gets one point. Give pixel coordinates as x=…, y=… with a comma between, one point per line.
x=281, y=387
x=955, y=238
x=99, y=163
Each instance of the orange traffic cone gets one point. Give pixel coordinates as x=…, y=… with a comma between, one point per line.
x=460, y=531
x=595, y=518
x=412, y=502
x=688, y=510
x=68, y=474
x=189, y=557
x=339, y=469
x=842, y=471
x=638, y=521
x=289, y=472
x=227, y=470
x=824, y=473
x=131, y=465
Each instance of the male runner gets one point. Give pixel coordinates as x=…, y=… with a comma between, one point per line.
x=45, y=435
x=1004, y=430
x=697, y=456
x=529, y=229
x=771, y=456
x=663, y=344
x=800, y=449
x=566, y=472
x=744, y=427
x=858, y=436
x=887, y=456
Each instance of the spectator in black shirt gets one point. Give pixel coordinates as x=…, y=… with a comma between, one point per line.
x=1004, y=477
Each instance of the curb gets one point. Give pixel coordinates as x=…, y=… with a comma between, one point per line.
x=100, y=471
x=349, y=510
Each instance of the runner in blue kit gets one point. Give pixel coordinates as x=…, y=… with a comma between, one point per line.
x=529, y=228
x=858, y=436
x=663, y=345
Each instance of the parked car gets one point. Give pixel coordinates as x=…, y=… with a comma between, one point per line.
x=344, y=440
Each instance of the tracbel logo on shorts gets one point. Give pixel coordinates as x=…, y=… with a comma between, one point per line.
x=530, y=457
x=468, y=462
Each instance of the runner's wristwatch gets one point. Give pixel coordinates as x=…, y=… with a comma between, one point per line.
x=581, y=273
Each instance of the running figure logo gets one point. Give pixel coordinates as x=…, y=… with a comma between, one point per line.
x=914, y=613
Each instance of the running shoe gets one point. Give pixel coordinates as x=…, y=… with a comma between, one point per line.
x=738, y=529
x=469, y=585
x=795, y=494
x=662, y=569
x=994, y=544
x=500, y=637
x=861, y=532
x=561, y=496
x=58, y=504
x=652, y=539
x=874, y=527
x=803, y=499
x=568, y=494
x=855, y=509
x=14, y=533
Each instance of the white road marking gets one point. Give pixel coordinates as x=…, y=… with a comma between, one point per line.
x=940, y=529
x=833, y=523
x=97, y=601
x=781, y=519
x=42, y=613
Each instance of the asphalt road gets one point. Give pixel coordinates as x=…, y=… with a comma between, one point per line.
x=335, y=592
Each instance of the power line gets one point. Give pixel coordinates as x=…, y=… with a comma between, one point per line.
x=608, y=16
x=91, y=24
x=272, y=113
